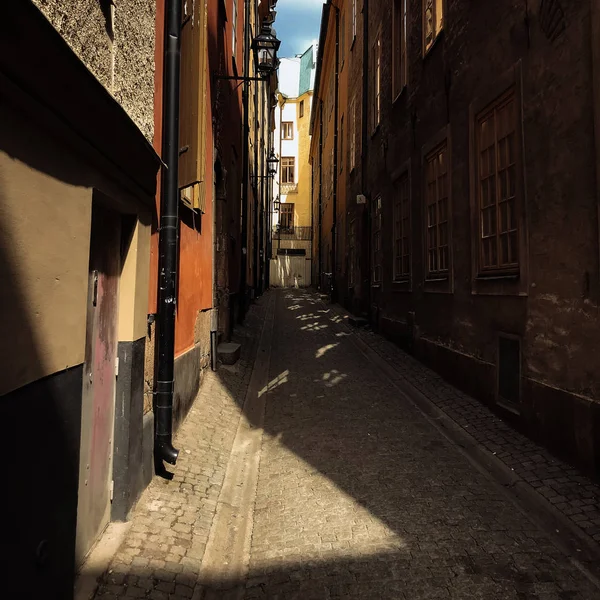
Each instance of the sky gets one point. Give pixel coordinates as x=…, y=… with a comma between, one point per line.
x=297, y=25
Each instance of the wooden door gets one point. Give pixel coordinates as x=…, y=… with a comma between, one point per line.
x=98, y=398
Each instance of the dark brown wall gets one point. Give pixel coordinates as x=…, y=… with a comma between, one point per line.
x=553, y=306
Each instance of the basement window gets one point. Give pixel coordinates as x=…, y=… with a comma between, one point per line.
x=509, y=371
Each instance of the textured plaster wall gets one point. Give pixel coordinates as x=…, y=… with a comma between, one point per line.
x=117, y=46
x=44, y=254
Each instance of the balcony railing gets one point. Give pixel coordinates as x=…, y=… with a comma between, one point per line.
x=288, y=188
x=292, y=233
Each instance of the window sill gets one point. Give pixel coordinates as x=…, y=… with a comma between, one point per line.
x=436, y=279
x=352, y=43
x=376, y=285
x=481, y=277
x=427, y=52
x=511, y=407
x=400, y=94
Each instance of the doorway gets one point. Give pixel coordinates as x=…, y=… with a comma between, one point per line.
x=99, y=375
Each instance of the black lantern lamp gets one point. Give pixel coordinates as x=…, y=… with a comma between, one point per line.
x=272, y=162
x=276, y=204
x=265, y=47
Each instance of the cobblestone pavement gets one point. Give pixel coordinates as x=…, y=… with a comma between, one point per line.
x=567, y=489
x=360, y=496
x=161, y=554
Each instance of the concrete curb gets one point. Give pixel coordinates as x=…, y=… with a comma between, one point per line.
x=578, y=546
x=226, y=558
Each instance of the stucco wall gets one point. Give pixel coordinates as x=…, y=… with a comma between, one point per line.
x=46, y=192
x=44, y=254
x=117, y=46
x=133, y=289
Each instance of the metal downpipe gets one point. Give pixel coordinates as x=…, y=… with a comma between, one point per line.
x=168, y=242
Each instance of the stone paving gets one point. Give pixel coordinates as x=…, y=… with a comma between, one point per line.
x=161, y=555
x=360, y=496
x=567, y=489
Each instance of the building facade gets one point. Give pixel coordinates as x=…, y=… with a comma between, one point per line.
x=77, y=185
x=82, y=90
x=470, y=230
x=291, y=257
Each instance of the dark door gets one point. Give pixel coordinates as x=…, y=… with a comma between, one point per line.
x=97, y=417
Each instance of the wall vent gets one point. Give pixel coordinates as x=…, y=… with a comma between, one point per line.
x=509, y=370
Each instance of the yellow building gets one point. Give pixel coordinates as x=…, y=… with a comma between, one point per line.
x=292, y=216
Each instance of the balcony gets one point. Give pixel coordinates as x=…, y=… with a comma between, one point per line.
x=288, y=188
x=292, y=233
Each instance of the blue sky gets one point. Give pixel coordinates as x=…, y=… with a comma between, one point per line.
x=297, y=25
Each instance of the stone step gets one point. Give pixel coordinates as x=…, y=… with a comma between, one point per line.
x=358, y=321
x=229, y=352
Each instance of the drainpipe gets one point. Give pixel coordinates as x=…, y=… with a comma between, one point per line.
x=595, y=26
x=214, y=316
x=365, y=141
x=245, y=163
x=168, y=242
x=320, y=191
x=335, y=154
x=263, y=187
x=255, y=188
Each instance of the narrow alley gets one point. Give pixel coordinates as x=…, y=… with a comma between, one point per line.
x=351, y=491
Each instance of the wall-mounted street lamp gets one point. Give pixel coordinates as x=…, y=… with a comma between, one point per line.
x=272, y=162
x=276, y=204
x=264, y=48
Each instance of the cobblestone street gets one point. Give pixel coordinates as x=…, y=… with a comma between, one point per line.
x=357, y=493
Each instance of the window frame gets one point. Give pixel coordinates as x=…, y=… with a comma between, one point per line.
x=351, y=253
x=234, y=15
x=437, y=281
x=500, y=283
x=399, y=48
x=376, y=232
x=403, y=173
x=436, y=32
x=342, y=38
x=492, y=110
x=301, y=109
x=286, y=212
x=353, y=135
x=288, y=166
x=375, y=95
x=342, y=154
x=285, y=125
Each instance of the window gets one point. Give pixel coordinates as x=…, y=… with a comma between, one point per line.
x=376, y=84
x=332, y=172
x=234, y=27
x=497, y=186
x=399, y=59
x=354, y=2
x=377, y=240
x=286, y=215
x=353, y=135
x=342, y=155
x=287, y=130
x=436, y=198
x=342, y=37
x=433, y=21
x=402, y=229
x=351, y=253
x=301, y=109
x=288, y=165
